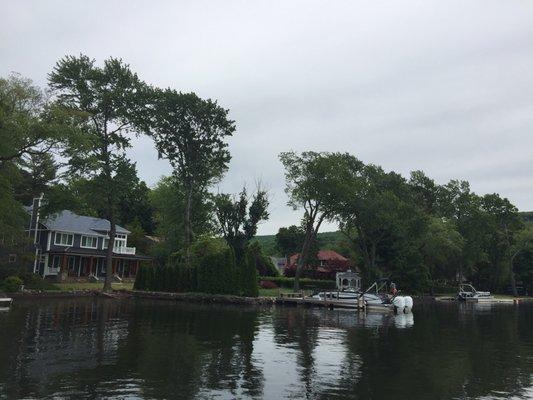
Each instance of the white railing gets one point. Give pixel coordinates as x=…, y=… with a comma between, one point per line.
x=124, y=250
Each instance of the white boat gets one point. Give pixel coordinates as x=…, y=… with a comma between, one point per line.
x=349, y=291
x=5, y=303
x=468, y=292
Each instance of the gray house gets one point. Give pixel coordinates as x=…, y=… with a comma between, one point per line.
x=71, y=245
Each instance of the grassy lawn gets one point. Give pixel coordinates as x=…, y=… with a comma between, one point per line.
x=70, y=286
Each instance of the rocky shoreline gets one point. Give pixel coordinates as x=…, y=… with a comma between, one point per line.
x=130, y=294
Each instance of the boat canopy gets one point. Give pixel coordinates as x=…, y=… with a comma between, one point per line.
x=348, y=281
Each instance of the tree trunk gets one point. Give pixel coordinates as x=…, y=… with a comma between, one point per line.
x=303, y=256
x=109, y=252
x=512, y=281
x=188, y=227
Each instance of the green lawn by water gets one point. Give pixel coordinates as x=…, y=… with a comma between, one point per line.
x=71, y=286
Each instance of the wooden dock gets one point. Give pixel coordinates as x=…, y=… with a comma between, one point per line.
x=300, y=299
x=486, y=300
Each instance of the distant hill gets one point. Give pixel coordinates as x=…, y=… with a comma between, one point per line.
x=327, y=240
x=527, y=216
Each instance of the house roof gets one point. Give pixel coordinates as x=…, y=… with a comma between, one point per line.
x=322, y=255
x=68, y=221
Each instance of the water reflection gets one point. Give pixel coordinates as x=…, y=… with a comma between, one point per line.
x=108, y=349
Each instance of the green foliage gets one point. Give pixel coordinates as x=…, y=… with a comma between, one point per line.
x=263, y=263
x=290, y=240
x=238, y=218
x=12, y=284
x=248, y=275
x=217, y=273
x=30, y=128
x=168, y=200
x=191, y=133
x=316, y=182
x=110, y=105
x=213, y=270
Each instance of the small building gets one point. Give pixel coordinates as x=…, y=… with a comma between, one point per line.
x=71, y=245
x=325, y=265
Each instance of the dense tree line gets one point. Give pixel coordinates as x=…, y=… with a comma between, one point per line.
x=414, y=230
x=69, y=143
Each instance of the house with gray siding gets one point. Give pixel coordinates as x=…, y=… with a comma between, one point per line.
x=70, y=245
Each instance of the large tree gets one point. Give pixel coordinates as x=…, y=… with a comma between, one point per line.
x=168, y=201
x=238, y=218
x=191, y=133
x=504, y=225
x=314, y=182
x=29, y=124
x=110, y=103
x=30, y=128
x=379, y=215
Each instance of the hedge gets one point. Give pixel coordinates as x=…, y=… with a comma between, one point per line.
x=305, y=283
x=215, y=272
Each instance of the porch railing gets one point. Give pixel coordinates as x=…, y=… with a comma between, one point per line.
x=125, y=250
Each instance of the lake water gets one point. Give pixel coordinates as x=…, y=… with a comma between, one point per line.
x=86, y=348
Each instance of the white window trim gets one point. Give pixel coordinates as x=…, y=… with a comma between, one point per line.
x=117, y=239
x=89, y=247
x=63, y=233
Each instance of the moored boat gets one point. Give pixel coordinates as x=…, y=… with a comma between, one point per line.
x=375, y=297
x=5, y=303
x=468, y=292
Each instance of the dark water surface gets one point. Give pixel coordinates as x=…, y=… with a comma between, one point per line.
x=156, y=350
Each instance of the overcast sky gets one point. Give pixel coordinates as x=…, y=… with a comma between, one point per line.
x=441, y=86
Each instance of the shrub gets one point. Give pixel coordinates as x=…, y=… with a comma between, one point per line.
x=249, y=276
x=12, y=284
x=268, y=285
x=262, y=262
x=36, y=282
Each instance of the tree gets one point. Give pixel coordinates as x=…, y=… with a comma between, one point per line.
x=239, y=217
x=378, y=214
x=29, y=124
x=168, y=201
x=442, y=248
x=522, y=257
x=505, y=226
x=30, y=127
x=289, y=241
x=110, y=103
x=38, y=172
x=463, y=207
x=191, y=133
x=314, y=182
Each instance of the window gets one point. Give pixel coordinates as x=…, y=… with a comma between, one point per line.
x=120, y=241
x=56, y=262
x=64, y=239
x=89, y=242
x=12, y=258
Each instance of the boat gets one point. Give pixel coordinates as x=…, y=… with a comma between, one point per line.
x=467, y=292
x=375, y=298
x=5, y=303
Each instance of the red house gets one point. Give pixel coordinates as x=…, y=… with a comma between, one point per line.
x=326, y=265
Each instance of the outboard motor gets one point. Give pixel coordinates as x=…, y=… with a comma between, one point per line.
x=408, y=304
x=399, y=304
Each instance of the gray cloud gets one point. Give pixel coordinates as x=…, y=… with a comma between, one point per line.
x=440, y=86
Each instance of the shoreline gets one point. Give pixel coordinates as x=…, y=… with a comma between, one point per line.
x=198, y=298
